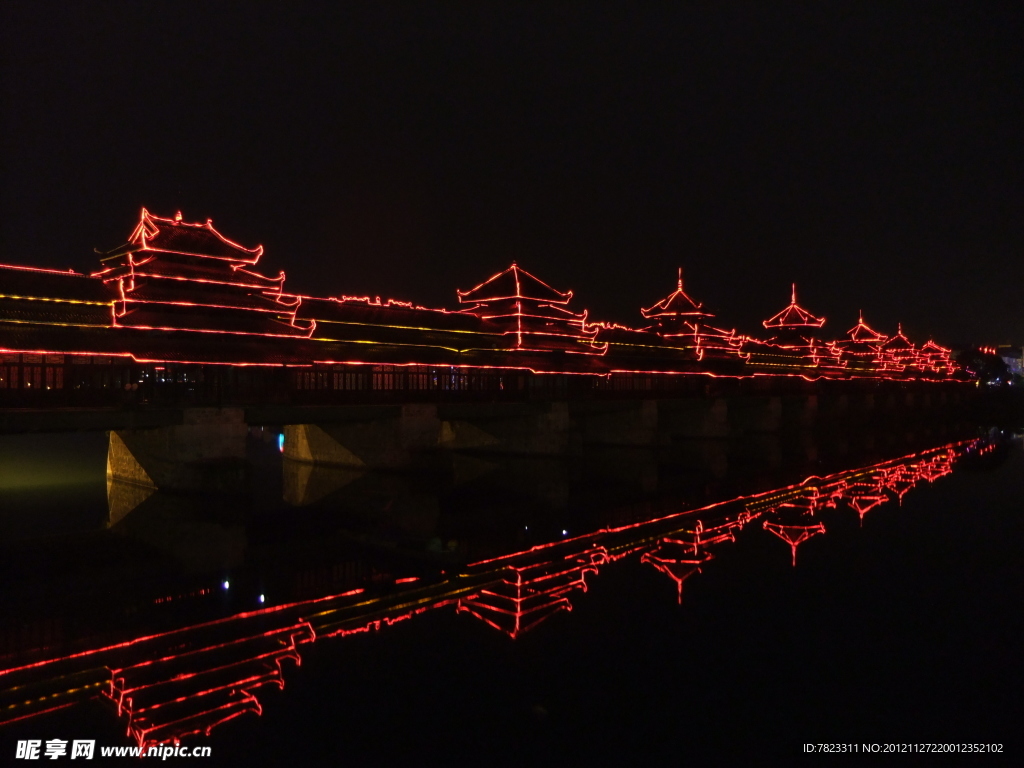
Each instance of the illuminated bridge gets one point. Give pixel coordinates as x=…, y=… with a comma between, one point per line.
x=179, y=346
x=182, y=315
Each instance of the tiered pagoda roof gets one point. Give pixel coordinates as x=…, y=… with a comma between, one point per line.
x=899, y=352
x=862, y=333
x=531, y=313
x=681, y=319
x=176, y=275
x=174, y=236
x=935, y=356
x=676, y=306
x=794, y=316
x=513, y=283
x=794, y=339
x=863, y=345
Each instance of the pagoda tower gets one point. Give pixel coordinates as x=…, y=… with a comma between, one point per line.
x=935, y=358
x=794, y=330
x=794, y=322
x=681, y=320
x=179, y=276
x=898, y=353
x=863, y=346
x=531, y=314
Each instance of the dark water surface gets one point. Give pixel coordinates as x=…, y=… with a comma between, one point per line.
x=904, y=626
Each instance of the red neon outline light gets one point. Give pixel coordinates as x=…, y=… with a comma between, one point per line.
x=794, y=316
x=538, y=588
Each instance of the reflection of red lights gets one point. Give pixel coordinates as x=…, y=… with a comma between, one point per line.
x=527, y=595
x=188, y=681
x=196, y=688
x=794, y=535
x=678, y=562
x=864, y=503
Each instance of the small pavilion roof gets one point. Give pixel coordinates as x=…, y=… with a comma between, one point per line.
x=155, y=233
x=862, y=332
x=794, y=316
x=931, y=347
x=513, y=283
x=899, y=341
x=676, y=304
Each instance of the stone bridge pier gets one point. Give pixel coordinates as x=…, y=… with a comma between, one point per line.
x=206, y=452
x=393, y=437
x=205, y=449
x=397, y=437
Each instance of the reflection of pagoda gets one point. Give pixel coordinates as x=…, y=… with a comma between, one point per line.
x=678, y=560
x=794, y=535
x=531, y=313
x=899, y=480
x=173, y=275
x=529, y=594
x=681, y=320
x=794, y=517
x=186, y=681
x=937, y=466
x=191, y=681
x=794, y=336
x=862, y=497
x=809, y=502
x=682, y=554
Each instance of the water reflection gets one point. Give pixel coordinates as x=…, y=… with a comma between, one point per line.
x=227, y=602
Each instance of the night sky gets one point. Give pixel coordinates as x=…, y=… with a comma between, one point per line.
x=870, y=152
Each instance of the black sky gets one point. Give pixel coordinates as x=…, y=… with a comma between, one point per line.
x=870, y=152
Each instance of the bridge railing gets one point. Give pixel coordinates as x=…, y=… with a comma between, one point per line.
x=90, y=381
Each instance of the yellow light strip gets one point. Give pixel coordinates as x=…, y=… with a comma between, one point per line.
x=405, y=327
x=57, y=301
